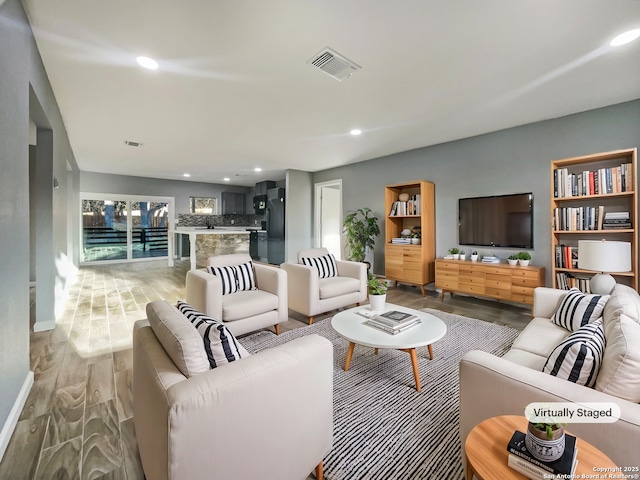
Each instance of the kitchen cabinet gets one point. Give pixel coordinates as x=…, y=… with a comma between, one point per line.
x=233, y=203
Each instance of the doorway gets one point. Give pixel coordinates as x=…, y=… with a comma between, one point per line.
x=120, y=228
x=328, y=216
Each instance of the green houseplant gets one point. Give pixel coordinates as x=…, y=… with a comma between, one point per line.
x=513, y=259
x=361, y=229
x=524, y=258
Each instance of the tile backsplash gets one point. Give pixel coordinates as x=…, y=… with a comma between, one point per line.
x=191, y=220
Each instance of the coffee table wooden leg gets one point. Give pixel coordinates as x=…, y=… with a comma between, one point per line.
x=430, y=352
x=414, y=362
x=347, y=362
x=469, y=471
x=375, y=351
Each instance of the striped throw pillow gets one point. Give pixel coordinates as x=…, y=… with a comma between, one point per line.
x=325, y=265
x=228, y=278
x=245, y=277
x=577, y=309
x=579, y=356
x=219, y=343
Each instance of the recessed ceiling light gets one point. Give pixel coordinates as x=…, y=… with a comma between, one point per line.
x=355, y=132
x=625, y=38
x=257, y=169
x=147, y=62
x=226, y=179
x=186, y=174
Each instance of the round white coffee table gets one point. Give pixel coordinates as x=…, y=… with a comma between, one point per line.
x=351, y=325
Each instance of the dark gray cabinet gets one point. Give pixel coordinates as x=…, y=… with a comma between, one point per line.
x=263, y=241
x=262, y=187
x=233, y=203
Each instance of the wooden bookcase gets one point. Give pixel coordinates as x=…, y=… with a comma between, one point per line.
x=412, y=264
x=619, y=200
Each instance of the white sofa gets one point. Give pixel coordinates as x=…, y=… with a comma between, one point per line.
x=269, y=415
x=491, y=386
x=311, y=295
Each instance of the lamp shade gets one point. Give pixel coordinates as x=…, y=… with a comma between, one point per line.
x=604, y=256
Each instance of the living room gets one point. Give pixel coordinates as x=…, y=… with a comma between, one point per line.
x=512, y=159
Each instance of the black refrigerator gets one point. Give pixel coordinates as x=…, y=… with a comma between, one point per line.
x=275, y=212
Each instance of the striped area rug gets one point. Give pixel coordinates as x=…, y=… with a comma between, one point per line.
x=383, y=428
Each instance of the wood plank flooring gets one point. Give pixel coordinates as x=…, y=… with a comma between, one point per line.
x=78, y=419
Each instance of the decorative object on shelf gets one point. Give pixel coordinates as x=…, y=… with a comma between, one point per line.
x=361, y=229
x=524, y=258
x=377, y=292
x=403, y=197
x=454, y=252
x=462, y=255
x=513, y=259
x=474, y=256
x=545, y=441
x=604, y=256
x=415, y=238
x=406, y=233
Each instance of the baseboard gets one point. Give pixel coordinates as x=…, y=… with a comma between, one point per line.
x=42, y=326
x=14, y=414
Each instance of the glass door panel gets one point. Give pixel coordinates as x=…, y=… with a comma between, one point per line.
x=149, y=225
x=104, y=230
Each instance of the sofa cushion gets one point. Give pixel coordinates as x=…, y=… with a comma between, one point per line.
x=540, y=337
x=219, y=343
x=227, y=276
x=324, y=265
x=178, y=337
x=336, y=286
x=625, y=300
x=579, y=356
x=525, y=359
x=247, y=304
x=577, y=309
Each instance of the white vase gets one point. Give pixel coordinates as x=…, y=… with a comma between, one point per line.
x=415, y=241
x=377, y=302
x=456, y=256
x=524, y=263
x=474, y=258
x=463, y=257
x=512, y=262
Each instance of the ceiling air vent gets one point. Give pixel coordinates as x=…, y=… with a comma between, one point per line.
x=334, y=64
x=132, y=144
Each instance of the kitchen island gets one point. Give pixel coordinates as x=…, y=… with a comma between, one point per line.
x=205, y=243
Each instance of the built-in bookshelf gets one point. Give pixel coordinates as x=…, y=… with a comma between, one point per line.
x=410, y=206
x=593, y=197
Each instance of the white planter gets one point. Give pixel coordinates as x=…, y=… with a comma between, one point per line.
x=463, y=257
x=512, y=262
x=474, y=258
x=377, y=302
x=524, y=263
x=415, y=241
x=456, y=256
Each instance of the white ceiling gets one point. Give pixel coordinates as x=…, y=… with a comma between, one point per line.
x=234, y=90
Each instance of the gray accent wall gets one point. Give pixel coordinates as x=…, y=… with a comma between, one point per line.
x=298, y=227
x=26, y=96
x=515, y=160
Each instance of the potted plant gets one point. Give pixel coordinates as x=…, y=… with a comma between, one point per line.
x=474, y=256
x=415, y=238
x=462, y=255
x=524, y=258
x=377, y=292
x=361, y=229
x=513, y=259
x=545, y=441
x=454, y=252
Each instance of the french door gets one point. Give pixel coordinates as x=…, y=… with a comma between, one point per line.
x=118, y=228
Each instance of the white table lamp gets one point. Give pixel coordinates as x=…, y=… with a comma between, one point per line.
x=603, y=256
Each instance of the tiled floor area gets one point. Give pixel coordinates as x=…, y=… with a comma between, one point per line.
x=78, y=420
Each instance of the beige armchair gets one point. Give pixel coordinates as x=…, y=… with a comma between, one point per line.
x=311, y=295
x=235, y=421
x=244, y=311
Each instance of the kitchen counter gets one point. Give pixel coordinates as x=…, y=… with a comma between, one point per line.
x=205, y=243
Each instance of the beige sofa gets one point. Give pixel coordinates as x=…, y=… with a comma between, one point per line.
x=311, y=295
x=491, y=386
x=269, y=415
x=244, y=311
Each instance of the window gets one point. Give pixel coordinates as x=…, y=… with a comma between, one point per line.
x=203, y=205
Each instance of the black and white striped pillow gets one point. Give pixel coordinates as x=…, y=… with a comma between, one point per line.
x=577, y=309
x=579, y=356
x=219, y=343
x=325, y=265
x=228, y=278
x=244, y=277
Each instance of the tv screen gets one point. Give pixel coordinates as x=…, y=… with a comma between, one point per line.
x=498, y=221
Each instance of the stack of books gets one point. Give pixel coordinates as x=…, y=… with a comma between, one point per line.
x=392, y=322
x=616, y=221
x=522, y=461
x=401, y=241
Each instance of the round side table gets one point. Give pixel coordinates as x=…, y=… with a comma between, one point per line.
x=487, y=455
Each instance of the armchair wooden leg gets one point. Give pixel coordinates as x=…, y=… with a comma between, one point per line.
x=310, y=319
x=319, y=471
x=277, y=326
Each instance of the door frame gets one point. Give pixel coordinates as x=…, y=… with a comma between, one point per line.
x=170, y=201
x=317, y=227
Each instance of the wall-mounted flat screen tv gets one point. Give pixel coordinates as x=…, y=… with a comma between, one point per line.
x=498, y=221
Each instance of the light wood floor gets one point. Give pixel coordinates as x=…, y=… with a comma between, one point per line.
x=78, y=420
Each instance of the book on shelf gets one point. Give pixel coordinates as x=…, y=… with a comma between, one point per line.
x=410, y=207
x=565, y=465
x=372, y=322
x=566, y=256
x=567, y=281
x=597, y=182
x=400, y=241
